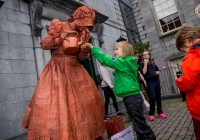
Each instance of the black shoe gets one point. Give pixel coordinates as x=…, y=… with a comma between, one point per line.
x=120, y=114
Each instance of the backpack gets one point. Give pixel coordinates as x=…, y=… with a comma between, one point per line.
x=98, y=79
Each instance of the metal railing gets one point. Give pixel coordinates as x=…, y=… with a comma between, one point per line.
x=167, y=81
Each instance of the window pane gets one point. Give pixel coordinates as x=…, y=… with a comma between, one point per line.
x=170, y=3
x=161, y=1
x=175, y=16
x=173, y=9
x=171, y=26
x=164, y=5
x=129, y=21
x=127, y=2
x=162, y=22
x=177, y=23
x=156, y=2
x=164, y=28
x=168, y=19
x=160, y=15
x=158, y=8
x=166, y=12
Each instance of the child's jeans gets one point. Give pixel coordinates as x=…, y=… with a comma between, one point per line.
x=134, y=107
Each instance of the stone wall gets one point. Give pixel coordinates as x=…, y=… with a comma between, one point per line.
x=22, y=59
x=17, y=66
x=162, y=47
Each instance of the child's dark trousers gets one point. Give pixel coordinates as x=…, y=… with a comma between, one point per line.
x=196, y=124
x=134, y=107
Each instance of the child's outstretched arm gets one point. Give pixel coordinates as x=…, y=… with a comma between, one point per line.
x=105, y=59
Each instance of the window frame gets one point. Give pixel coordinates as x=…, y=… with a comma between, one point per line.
x=168, y=24
x=158, y=25
x=136, y=32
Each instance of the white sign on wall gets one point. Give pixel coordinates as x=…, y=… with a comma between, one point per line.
x=197, y=10
x=126, y=134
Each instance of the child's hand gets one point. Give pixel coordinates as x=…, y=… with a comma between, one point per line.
x=157, y=72
x=86, y=47
x=146, y=61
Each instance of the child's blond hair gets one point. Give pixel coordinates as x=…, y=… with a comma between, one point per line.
x=191, y=33
x=126, y=47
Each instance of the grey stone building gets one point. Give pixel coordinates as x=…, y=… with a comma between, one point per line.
x=157, y=22
x=24, y=23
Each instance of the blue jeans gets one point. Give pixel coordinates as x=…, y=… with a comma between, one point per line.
x=154, y=95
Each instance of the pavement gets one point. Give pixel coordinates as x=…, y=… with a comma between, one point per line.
x=177, y=126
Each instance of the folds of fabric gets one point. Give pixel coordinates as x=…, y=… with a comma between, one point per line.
x=66, y=104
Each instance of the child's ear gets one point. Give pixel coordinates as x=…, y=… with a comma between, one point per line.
x=187, y=43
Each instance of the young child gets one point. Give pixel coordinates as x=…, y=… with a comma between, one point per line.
x=126, y=84
x=188, y=40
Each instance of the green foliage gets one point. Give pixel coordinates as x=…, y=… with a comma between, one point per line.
x=141, y=47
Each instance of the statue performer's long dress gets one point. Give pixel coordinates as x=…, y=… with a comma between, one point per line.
x=66, y=104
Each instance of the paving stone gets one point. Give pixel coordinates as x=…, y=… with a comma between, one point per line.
x=177, y=126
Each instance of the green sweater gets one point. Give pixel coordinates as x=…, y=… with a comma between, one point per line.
x=126, y=75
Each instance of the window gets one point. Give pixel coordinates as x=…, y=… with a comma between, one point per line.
x=129, y=21
x=167, y=15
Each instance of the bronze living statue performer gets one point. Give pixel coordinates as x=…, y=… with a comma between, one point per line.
x=66, y=104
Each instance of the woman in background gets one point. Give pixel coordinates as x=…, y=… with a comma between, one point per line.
x=151, y=75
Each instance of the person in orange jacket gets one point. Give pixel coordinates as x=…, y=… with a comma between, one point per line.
x=188, y=40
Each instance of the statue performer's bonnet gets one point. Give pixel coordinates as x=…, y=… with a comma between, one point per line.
x=84, y=16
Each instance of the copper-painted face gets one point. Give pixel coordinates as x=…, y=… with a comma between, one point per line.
x=84, y=18
x=81, y=28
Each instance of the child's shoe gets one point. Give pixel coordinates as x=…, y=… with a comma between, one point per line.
x=162, y=116
x=151, y=118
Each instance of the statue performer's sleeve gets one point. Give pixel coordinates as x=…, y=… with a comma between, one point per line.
x=83, y=56
x=52, y=40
